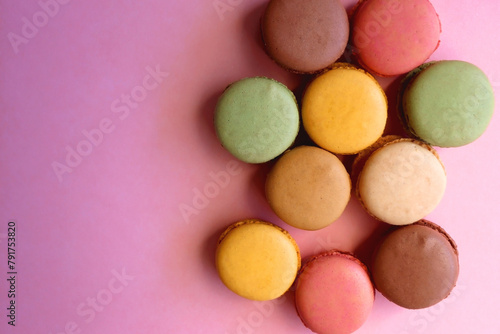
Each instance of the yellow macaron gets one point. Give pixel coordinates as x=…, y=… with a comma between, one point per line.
x=257, y=260
x=344, y=110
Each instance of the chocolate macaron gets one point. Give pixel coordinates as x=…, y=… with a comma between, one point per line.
x=305, y=36
x=416, y=266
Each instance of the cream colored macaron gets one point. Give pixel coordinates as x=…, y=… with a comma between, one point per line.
x=257, y=260
x=401, y=182
x=308, y=188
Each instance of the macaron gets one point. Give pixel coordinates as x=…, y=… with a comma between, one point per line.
x=392, y=37
x=344, y=110
x=305, y=36
x=334, y=293
x=308, y=188
x=256, y=119
x=257, y=260
x=360, y=158
x=401, y=182
x=416, y=266
x=446, y=103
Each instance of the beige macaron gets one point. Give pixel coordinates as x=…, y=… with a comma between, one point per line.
x=401, y=182
x=308, y=188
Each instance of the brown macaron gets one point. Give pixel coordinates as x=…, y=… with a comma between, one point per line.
x=308, y=188
x=416, y=266
x=305, y=36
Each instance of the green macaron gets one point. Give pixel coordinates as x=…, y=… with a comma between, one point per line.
x=256, y=119
x=446, y=103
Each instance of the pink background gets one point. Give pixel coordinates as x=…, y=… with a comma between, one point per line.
x=119, y=211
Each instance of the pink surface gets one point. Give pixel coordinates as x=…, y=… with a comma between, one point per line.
x=105, y=247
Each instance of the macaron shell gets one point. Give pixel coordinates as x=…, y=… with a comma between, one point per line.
x=392, y=37
x=402, y=182
x=257, y=260
x=308, y=188
x=407, y=79
x=449, y=103
x=257, y=119
x=361, y=157
x=334, y=294
x=305, y=36
x=344, y=110
x=416, y=266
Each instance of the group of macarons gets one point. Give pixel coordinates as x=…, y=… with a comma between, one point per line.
x=399, y=181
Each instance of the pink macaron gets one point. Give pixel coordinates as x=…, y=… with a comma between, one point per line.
x=392, y=37
x=334, y=293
